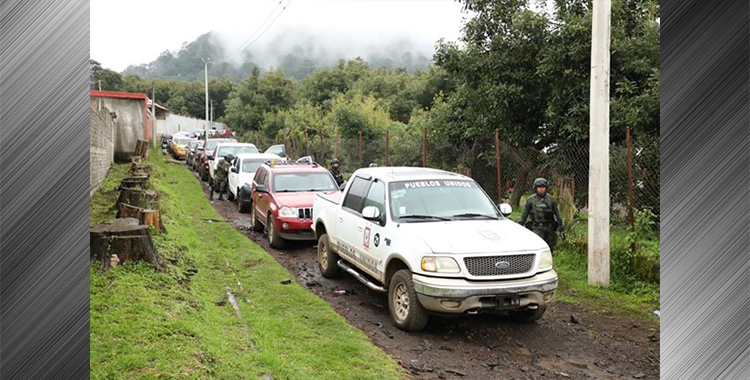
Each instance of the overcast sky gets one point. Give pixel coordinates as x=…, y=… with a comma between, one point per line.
x=137, y=31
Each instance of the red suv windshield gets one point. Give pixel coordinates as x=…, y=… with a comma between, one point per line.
x=307, y=181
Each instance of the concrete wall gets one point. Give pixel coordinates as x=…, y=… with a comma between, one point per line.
x=129, y=123
x=101, y=144
x=174, y=123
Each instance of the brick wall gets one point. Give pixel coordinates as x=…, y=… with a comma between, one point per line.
x=101, y=144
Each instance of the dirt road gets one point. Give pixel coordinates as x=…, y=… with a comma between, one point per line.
x=568, y=342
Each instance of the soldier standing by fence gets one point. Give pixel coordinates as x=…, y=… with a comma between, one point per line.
x=545, y=218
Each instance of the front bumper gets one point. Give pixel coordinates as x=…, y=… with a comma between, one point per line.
x=454, y=296
x=296, y=229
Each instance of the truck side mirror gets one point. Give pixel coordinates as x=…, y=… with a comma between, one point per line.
x=234, y=170
x=261, y=189
x=371, y=213
x=505, y=209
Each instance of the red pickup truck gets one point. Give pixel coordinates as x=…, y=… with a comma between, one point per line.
x=282, y=199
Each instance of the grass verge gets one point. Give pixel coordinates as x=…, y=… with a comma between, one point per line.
x=179, y=326
x=624, y=295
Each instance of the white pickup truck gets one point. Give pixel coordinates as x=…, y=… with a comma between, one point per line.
x=435, y=243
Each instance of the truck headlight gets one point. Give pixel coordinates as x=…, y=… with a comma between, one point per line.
x=545, y=259
x=440, y=264
x=288, y=212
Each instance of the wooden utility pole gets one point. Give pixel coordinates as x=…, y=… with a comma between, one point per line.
x=631, y=192
x=598, y=242
x=497, y=165
x=153, y=113
x=424, y=148
x=387, y=146
x=205, y=128
x=360, y=149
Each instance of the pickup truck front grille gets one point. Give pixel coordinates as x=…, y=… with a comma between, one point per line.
x=305, y=213
x=499, y=265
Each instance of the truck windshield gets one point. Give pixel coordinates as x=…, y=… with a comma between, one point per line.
x=251, y=165
x=435, y=200
x=223, y=151
x=295, y=182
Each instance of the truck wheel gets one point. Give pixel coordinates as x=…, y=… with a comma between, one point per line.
x=254, y=222
x=204, y=176
x=406, y=311
x=327, y=259
x=274, y=239
x=528, y=315
x=230, y=196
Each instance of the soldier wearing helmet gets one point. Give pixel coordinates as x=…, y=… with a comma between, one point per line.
x=335, y=171
x=545, y=218
x=220, y=177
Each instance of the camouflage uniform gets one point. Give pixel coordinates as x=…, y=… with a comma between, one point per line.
x=336, y=173
x=545, y=218
x=220, y=177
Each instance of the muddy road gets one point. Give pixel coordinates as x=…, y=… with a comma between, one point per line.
x=569, y=342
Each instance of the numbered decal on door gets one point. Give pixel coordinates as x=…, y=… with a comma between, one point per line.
x=367, y=237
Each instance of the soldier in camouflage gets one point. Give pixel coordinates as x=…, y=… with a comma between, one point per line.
x=545, y=218
x=220, y=177
x=335, y=172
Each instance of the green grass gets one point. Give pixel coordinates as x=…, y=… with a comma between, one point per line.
x=169, y=326
x=624, y=295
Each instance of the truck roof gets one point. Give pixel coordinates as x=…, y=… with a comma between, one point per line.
x=267, y=156
x=403, y=173
x=281, y=167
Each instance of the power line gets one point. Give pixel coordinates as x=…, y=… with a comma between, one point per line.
x=269, y=25
x=256, y=30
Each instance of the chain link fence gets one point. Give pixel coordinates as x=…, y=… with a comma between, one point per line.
x=506, y=172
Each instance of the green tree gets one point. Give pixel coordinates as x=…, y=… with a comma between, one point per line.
x=251, y=99
x=110, y=80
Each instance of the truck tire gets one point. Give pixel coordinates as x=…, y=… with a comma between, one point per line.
x=242, y=208
x=274, y=239
x=403, y=303
x=230, y=196
x=204, y=175
x=327, y=259
x=255, y=224
x=528, y=315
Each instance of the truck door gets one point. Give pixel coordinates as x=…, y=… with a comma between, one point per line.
x=233, y=176
x=373, y=246
x=349, y=219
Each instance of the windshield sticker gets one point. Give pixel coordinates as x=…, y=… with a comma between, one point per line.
x=434, y=183
x=398, y=193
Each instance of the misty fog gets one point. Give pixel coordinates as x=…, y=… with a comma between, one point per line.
x=298, y=52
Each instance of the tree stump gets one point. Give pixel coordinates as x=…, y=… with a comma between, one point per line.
x=148, y=217
x=141, y=148
x=135, y=182
x=137, y=197
x=123, y=240
x=137, y=169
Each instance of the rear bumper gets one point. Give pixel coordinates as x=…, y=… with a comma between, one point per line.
x=448, y=295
